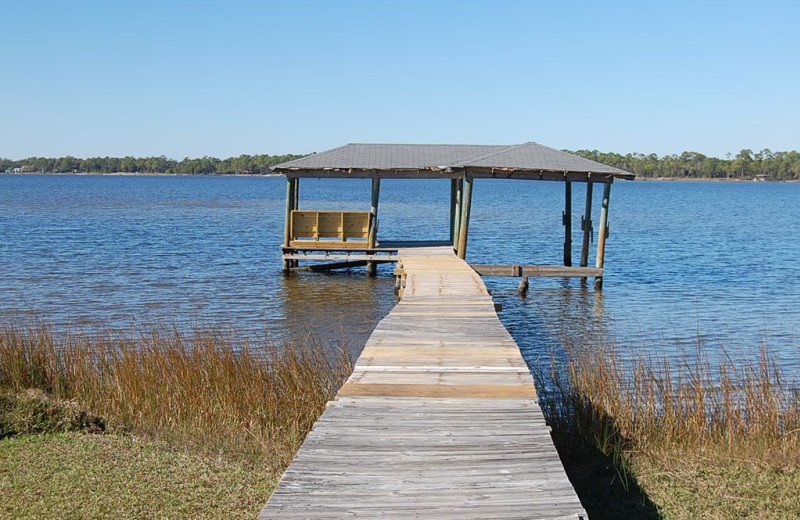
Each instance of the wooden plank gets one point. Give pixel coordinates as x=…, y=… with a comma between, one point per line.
x=342, y=256
x=540, y=271
x=390, y=246
x=319, y=268
x=437, y=390
x=400, y=244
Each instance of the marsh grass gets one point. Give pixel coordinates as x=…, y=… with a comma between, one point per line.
x=204, y=391
x=698, y=438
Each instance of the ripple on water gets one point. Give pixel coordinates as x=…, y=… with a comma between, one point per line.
x=682, y=269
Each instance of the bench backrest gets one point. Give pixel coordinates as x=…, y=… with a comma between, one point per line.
x=329, y=228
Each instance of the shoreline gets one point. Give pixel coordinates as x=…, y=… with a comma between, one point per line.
x=157, y=174
x=706, y=179
x=139, y=174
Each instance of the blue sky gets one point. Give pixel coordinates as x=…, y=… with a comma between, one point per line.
x=195, y=78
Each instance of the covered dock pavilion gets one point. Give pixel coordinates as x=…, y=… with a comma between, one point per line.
x=341, y=239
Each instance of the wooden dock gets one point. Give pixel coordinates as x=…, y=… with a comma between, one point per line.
x=438, y=420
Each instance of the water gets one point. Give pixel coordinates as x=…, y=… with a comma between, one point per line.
x=687, y=262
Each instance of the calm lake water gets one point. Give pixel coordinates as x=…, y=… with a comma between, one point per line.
x=687, y=263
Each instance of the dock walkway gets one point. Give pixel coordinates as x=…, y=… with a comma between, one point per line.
x=438, y=420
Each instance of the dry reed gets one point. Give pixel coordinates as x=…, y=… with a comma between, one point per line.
x=657, y=409
x=205, y=390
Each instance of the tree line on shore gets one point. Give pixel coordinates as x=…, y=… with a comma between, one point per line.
x=745, y=165
x=201, y=166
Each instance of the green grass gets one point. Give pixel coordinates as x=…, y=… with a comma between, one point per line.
x=712, y=486
x=74, y=475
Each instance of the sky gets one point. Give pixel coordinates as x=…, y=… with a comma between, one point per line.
x=202, y=78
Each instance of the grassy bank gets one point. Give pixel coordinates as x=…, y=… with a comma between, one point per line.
x=202, y=425
x=652, y=438
x=179, y=408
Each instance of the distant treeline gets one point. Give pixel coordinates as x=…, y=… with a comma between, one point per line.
x=202, y=166
x=745, y=165
x=766, y=164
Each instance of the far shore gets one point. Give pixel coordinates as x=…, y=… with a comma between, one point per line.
x=708, y=179
x=144, y=174
x=157, y=174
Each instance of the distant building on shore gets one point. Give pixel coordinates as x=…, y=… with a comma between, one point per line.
x=21, y=169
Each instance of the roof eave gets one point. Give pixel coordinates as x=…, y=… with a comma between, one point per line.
x=368, y=173
x=486, y=172
x=479, y=172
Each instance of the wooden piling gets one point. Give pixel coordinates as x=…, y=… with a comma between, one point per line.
x=567, y=221
x=522, y=289
x=296, y=205
x=601, y=238
x=456, y=223
x=373, y=223
x=586, y=226
x=287, y=228
x=453, y=191
x=465, y=212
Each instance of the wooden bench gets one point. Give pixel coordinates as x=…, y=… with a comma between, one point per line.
x=330, y=229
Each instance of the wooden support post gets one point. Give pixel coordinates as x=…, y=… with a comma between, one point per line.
x=296, y=205
x=459, y=196
x=601, y=238
x=453, y=190
x=566, y=219
x=287, y=228
x=586, y=226
x=372, y=239
x=522, y=289
x=463, y=228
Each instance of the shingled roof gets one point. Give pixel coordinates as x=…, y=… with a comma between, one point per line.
x=522, y=161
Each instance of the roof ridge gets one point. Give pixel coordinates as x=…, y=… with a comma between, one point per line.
x=480, y=157
x=424, y=144
x=288, y=163
x=578, y=156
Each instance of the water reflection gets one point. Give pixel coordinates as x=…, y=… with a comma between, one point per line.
x=554, y=313
x=339, y=308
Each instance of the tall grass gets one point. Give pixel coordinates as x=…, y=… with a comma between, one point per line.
x=656, y=408
x=202, y=390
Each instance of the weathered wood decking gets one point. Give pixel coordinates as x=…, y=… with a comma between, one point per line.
x=438, y=420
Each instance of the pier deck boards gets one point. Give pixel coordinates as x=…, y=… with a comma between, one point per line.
x=438, y=420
